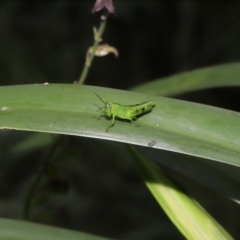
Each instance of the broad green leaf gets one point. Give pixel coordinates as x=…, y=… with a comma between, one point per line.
x=173, y=125
x=209, y=77
x=187, y=215
x=20, y=230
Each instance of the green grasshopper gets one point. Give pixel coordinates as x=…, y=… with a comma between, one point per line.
x=128, y=112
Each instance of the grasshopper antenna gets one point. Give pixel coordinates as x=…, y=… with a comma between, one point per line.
x=101, y=108
x=100, y=99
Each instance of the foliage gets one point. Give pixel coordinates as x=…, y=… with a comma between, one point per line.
x=88, y=182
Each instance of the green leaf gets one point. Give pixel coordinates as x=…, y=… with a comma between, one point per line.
x=187, y=215
x=221, y=177
x=173, y=125
x=19, y=230
x=33, y=141
x=210, y=77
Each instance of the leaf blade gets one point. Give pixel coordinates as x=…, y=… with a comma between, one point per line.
x=225, y=75
x=18, y=230
x=174, y=125
x=187, y=215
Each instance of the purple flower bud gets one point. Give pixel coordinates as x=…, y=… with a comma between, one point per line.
x=100, y=4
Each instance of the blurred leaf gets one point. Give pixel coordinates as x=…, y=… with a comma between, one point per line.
x=33, y=141
x=226, y=75
x=218, y=176
x=19, y=230
x=173, y=125
x=187, y=215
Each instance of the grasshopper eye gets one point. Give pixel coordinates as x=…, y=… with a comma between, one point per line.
x=110, y=106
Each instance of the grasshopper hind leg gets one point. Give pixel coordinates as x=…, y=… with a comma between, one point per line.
x=131, y=119
x=134, y=124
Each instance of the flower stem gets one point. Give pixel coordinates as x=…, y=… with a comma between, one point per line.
x=90, y=56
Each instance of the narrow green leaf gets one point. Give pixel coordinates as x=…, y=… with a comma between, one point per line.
x=187, y=215
x=33, y=141
x=209, y=77
x=220, y=177
x=173, y=125
x=19, y=230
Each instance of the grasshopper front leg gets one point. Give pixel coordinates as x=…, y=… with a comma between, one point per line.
x=112, y=124
x=101, y=115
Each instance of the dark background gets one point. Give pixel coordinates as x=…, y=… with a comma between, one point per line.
x=101, y=192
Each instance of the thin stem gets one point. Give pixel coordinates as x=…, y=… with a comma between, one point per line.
x=38, y=178
x=97, y=38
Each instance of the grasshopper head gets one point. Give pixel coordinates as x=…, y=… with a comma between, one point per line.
x=108, y=109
